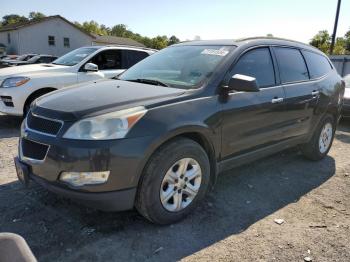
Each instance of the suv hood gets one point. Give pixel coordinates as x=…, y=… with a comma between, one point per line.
x=94, y=98
x=26, y=70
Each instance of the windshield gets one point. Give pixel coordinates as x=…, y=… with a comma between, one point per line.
x=74, y=57
x=179, y=66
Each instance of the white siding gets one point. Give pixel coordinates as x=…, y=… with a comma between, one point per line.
x=34, y=38
x=11, y=48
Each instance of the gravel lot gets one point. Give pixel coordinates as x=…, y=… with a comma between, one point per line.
x=236, y=223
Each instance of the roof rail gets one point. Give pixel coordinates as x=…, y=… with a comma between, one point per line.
x=269, y=38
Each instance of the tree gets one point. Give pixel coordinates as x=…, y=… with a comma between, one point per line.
x=13, y=19
x=173, y=40
x=36, y=16
x=120, y=30
x=159, y=42
x=347, y=41
x=322, y=41
x=269, y=35
x=92, y=27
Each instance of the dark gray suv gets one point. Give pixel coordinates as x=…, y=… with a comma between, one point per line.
x=157, y=137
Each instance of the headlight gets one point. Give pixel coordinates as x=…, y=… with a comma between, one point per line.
x=108, y=126
x=14, y=81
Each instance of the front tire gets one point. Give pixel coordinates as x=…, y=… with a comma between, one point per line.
x=321, y=141
x=174, y=181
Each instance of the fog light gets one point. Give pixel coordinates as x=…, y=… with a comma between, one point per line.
x=84, y=178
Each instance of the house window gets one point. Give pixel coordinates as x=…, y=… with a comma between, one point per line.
x=9, y=38
x=51, y=40
x=66, y=42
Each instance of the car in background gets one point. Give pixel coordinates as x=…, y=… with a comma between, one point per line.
x=20, y=86
x=8, y=57
x=346, y=100
x=38, y=59
x=157, y=137
x=5, y=62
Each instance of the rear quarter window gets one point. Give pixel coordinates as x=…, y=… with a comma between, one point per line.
x=317, y=64
x=291, y=65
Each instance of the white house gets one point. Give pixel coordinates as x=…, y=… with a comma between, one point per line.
x=53, y=35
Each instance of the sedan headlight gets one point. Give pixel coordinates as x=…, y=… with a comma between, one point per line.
x=108, y=126
x=14, y=81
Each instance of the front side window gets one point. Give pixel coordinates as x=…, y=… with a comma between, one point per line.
x=74, y=57
x=291, y=65
x=257, y=63
x=108, y=60
x=51, y=40
x=184, y=66
x=317, y=64
x=66, y=42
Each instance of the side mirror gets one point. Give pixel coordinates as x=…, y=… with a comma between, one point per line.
x=90, y=67
x=243, y=83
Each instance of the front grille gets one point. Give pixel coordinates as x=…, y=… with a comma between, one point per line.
x=33, y=150
x=43, y=125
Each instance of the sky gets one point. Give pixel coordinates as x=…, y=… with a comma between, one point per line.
x=209, y=19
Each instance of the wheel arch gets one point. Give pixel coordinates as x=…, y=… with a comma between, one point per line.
x=200, y=135
x=37, y=93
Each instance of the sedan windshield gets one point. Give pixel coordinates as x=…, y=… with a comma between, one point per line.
x=74, y=57
x=179, y=66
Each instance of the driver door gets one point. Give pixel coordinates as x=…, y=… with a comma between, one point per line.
x=253, y=120
x=109, y=64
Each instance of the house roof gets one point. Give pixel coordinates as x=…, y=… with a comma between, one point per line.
x=97, y=38
x=16, y=26
x=115, y=40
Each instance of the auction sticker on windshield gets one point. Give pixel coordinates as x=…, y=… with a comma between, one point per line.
x=218, y=52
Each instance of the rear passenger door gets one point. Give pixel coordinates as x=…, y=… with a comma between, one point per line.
x=253, y=120
x=301, y=93
x=132, y=57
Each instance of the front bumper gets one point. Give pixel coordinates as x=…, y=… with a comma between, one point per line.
x=18, y=97
x=109, y=201
x=124, y=158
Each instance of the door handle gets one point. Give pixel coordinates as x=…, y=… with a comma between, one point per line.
x=315, y=93
x=277, y=100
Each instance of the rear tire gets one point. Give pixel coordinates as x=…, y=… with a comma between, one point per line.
x=321, y=141
x=174, y=181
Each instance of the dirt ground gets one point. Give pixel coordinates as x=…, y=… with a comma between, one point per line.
x=235, y=223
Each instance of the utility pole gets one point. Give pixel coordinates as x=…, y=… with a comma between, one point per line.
x=335, y=28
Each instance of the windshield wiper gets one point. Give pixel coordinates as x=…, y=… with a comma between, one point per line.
x=148, y=81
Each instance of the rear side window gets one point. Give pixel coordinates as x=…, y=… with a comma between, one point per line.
x=291, y=64
x=257, y=63
x=133, y=57
x=318, y=65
